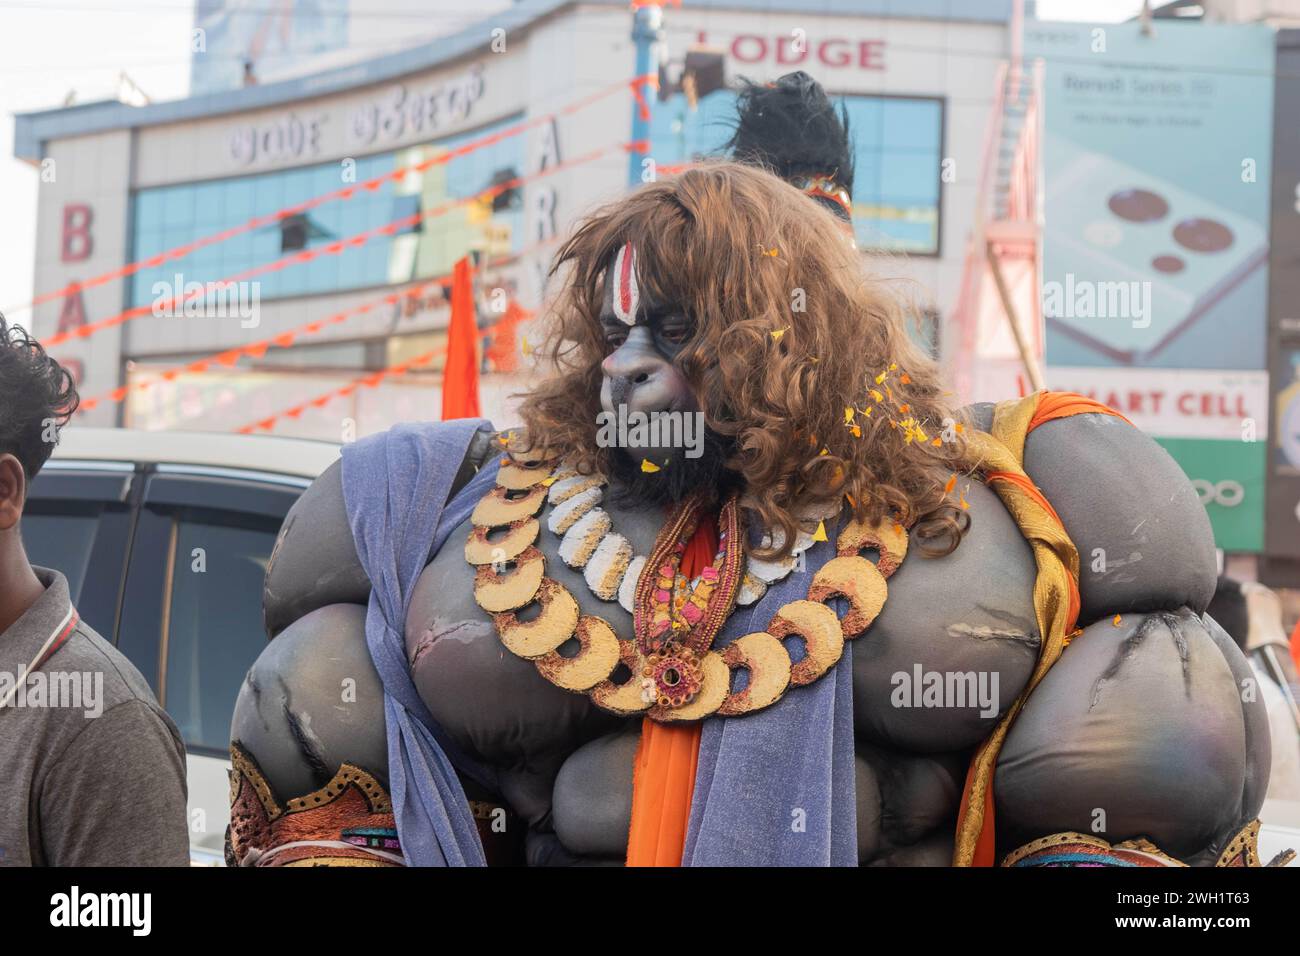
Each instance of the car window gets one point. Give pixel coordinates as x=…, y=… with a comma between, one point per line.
x=86, y=541
x=213, y=625
x=62, y=542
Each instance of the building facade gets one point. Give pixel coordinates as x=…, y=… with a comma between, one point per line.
x=327, y=197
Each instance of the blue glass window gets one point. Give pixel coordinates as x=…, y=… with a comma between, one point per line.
x=169, y=216
x=898, y=143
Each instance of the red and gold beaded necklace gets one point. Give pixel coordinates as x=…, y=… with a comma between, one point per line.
x=672, y=639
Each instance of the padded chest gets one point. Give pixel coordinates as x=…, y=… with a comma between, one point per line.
x=953, y=647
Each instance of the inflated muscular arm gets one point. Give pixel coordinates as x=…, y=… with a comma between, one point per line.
x=309, y=720
x=1145, y=732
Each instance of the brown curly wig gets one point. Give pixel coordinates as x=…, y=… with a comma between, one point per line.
x=799, y=357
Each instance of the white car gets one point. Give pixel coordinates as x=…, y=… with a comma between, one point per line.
x=164, y=538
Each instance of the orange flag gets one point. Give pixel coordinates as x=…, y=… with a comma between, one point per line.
x=460, y=376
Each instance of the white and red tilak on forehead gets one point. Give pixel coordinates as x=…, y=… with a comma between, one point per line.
x=627, y=294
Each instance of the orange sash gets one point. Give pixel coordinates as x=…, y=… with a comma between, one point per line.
x=663, y=776
x=1050, y=406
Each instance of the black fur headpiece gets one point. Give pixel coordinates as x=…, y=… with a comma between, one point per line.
x=791, y=128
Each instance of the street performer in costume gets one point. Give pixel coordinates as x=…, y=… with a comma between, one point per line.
x=850, y=625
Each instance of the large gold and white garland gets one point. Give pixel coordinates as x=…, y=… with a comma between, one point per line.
x=511, y=575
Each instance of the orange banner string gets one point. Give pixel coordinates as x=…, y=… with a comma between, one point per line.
x=348, y=192
x=287, y=339
x=331, y=249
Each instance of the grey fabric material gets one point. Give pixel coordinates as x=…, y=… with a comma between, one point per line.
x=592, y=801
x=314, y=563
x=291, y=714
x=1146, y=722
x=968, y=612
x=98, y=783
x=776, y=788
x=395, y=485
x=1144, y=538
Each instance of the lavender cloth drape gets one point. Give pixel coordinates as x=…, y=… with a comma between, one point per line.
x=774, y=788
x=395, y=487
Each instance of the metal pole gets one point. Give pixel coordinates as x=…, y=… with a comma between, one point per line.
x=647, y=31
x=1009, y=309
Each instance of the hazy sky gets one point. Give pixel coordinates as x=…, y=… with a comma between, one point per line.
x=49, y=48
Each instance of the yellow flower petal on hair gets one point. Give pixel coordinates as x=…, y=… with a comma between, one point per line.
x=848, y=414
x=547, y=482
x=776, y=334
x=648, y=466
x=880, y=378
x=877, y=396
x=820, y=533
x=822, y=452
x=866, y=411
x=893, y=366
x=1116, y=620
x=856, y=430
x=524, y=347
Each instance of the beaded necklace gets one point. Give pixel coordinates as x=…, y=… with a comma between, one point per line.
x=675, y=674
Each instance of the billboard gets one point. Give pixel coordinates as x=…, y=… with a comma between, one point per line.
x=1283, y=537
x=1157, y=161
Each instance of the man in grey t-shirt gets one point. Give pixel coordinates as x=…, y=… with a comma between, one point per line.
x=92, y=770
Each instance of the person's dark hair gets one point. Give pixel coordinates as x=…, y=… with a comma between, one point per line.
x=36, y=393
x=791, y=128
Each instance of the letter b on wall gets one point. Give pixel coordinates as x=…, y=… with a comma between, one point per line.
x=77, y=243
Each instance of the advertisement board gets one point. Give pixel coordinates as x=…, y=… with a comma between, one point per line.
x=1157, y=167
x=1283, y=536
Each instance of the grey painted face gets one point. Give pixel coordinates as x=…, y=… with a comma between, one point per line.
x=639, y=375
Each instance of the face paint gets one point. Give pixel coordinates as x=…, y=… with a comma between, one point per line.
x=627, y=295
